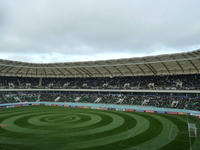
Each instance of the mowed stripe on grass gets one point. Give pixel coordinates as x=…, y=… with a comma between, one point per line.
x=44, y=127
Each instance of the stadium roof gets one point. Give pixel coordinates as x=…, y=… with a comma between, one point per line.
x=180, y=63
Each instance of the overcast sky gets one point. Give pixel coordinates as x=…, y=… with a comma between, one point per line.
x=44, y=31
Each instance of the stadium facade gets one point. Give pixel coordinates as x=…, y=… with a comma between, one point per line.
x=170, y=81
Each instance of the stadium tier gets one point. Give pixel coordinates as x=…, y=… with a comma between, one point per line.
x=156, y=100
x=175, y=71
x=171, y=82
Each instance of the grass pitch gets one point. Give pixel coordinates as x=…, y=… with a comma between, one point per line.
x=59, y=128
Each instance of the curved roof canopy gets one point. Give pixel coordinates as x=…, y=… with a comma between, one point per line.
x=180, y=63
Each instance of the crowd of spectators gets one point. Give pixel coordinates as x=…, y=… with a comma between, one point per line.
x=173, y=82
x=165, y=101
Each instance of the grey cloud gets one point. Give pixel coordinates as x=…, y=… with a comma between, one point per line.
x=90, y=28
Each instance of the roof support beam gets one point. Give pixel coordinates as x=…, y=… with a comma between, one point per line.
x=36, y=71
x=77, y=70
x=88, y=71
x=140, y=69
x=129, y=69
x=109, y=72
x=3, y=68
x=115, y=67
x=177, y=62
x=60, y=71
x=195, y=67
x=67, y=70
x=45, y=73
x=82, y=68
x=152, y=68
x=27, y=71
x=7, y=71
x=196, y=52
x=19, y=70
x=99, y=72
x=180, y=66
x=149, y=66
x=118, y=70
x=52, y=70
x=191, y=54
x=85, y=71
x=165, y=66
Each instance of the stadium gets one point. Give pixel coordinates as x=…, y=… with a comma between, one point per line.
x=99, y=75
x=141, y=103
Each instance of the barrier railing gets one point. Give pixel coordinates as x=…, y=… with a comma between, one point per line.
x=102, y=90
x=133, y=108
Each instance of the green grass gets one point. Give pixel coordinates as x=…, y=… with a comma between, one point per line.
x=59, y=128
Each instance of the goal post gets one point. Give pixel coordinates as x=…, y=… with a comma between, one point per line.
x=192, y=130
